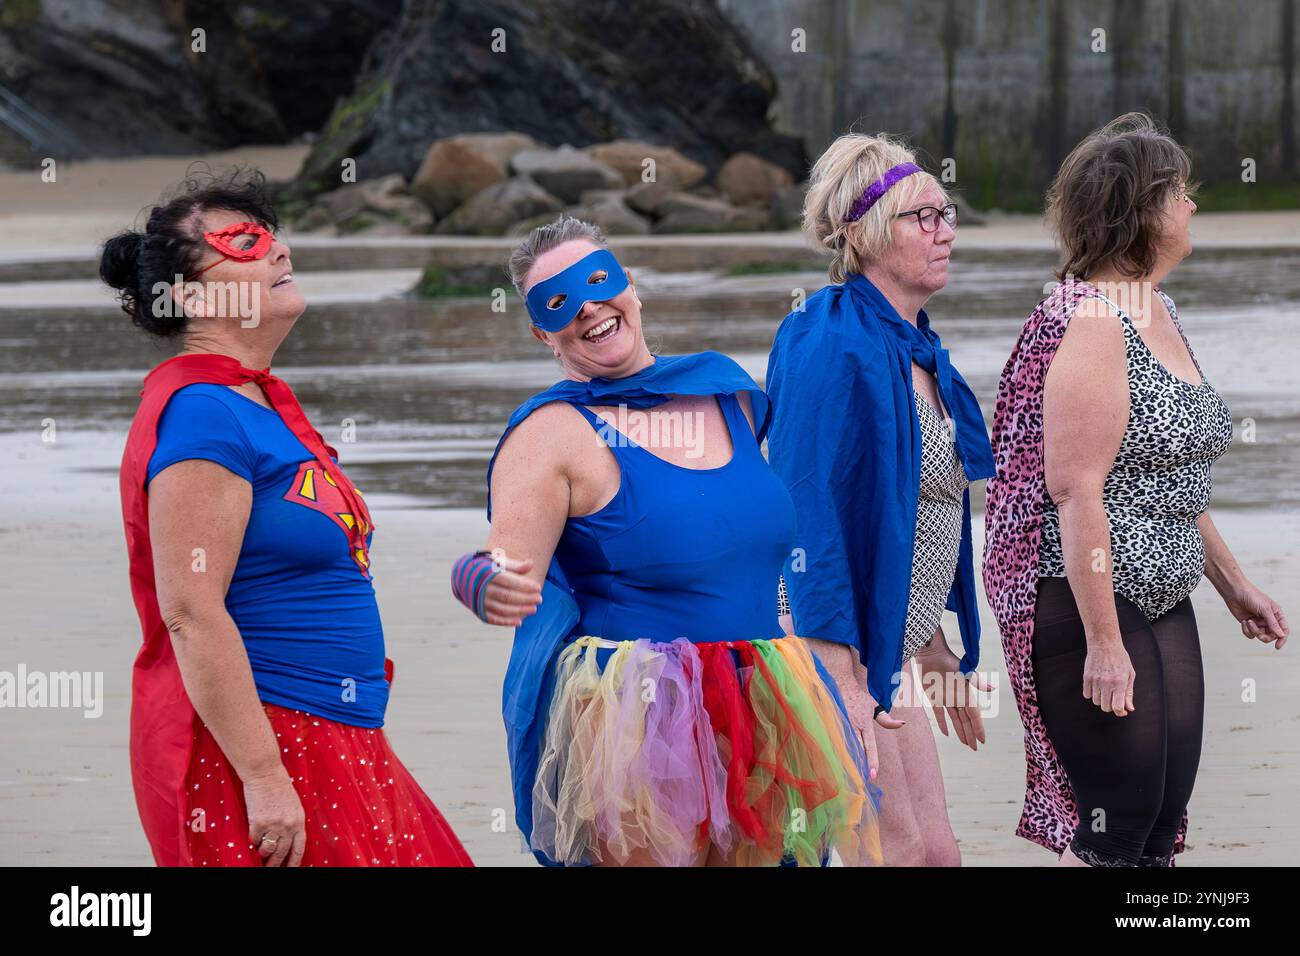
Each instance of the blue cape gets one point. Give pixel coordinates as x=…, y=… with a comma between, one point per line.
x=846, y=440
x=530, y=675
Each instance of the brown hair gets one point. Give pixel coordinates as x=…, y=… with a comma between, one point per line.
x=1107, y=201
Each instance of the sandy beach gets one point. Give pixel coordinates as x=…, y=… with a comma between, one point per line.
x=89, y=201
x=65, y=792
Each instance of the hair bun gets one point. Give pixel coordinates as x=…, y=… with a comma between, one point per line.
x=119, y=265
x=142, y=265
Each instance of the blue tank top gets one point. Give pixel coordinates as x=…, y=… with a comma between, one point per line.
x=682, y=552
x=308, y=617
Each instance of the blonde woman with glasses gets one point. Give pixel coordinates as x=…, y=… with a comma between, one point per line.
x=878, y=438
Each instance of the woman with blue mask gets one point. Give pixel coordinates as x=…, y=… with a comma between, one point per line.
x=656, y=713
x=878, y=437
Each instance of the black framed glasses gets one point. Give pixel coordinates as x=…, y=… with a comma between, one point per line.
x=928, y=216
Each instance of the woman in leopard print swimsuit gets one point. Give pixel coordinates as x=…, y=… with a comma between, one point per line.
x=1097, y=526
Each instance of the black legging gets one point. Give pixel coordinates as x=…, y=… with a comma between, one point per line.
x=1132, y=776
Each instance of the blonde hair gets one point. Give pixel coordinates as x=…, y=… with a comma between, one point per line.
x=841, y=174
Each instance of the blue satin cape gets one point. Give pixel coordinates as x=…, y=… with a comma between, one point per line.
x=846, y=440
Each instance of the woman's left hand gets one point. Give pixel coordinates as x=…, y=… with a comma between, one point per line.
x=947, y=688
x=1259, y=615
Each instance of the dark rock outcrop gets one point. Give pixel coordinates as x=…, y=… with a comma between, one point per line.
x=567, y=71
x=381, y=206
x=123, y=78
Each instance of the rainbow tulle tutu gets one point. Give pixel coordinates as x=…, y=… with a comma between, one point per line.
x=658, y=749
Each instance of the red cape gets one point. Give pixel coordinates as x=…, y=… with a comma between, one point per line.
x=162, y=717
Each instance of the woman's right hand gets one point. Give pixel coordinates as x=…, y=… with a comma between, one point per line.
x=1108, y=677
x=860, y=711
x=841, y=662
x=277, y=824
x=510, y=595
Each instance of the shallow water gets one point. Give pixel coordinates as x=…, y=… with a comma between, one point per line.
x=430, y=384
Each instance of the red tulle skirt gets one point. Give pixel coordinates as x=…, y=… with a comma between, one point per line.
x=363, y=806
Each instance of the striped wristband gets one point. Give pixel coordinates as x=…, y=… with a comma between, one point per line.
x=470, y=576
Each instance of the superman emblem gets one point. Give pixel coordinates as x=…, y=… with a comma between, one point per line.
x=314, y=488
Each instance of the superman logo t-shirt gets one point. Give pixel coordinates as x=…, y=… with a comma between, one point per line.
x=307, y=614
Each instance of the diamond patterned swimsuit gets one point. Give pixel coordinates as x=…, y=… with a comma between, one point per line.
x=938, y=528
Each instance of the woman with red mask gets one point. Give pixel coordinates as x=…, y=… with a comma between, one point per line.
x=259, y=695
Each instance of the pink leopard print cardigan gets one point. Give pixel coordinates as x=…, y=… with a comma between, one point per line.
x=1013, y=518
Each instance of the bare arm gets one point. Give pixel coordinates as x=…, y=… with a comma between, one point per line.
x=840, y=660
x=1085, y=413
x=531, y=494
x=746, y=402
x=1260, y=616
x=196, y=504
x=850, y=677
x=200, y=505
x=1220, y=566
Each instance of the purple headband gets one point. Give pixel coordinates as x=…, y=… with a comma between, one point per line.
x=871, y=195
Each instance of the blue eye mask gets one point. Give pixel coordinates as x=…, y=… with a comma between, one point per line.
x=555, y=302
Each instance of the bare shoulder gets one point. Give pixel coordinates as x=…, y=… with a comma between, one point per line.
x=1086, y=396
x=1094, y=337
x=544, y=441
x=747, y=406
x=1169, y=307
x=1167, y=299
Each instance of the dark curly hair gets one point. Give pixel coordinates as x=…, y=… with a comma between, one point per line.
x=1106, y=203
x=172, y=241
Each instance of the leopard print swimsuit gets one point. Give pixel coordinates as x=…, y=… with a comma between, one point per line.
x=1160, y=481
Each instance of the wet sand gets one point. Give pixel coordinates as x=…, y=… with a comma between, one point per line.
x=430, y=385
x=65, y=795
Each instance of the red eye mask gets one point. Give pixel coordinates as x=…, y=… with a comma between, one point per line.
x=232, y=243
